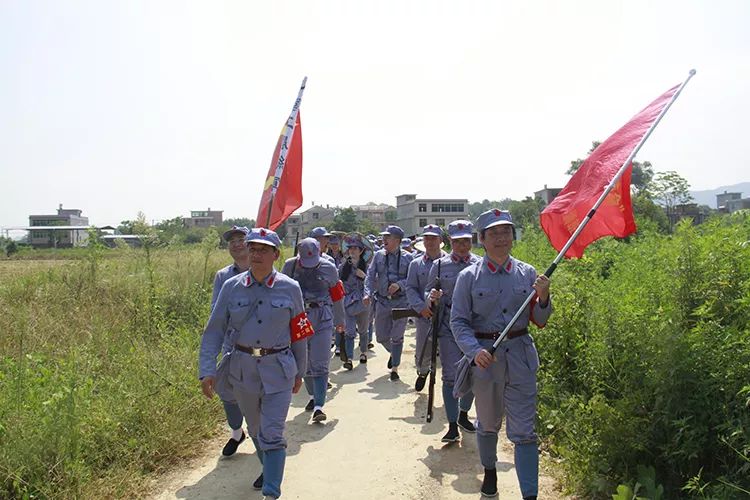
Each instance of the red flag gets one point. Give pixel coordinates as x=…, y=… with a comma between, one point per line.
x=288, y=196
x=614, y=217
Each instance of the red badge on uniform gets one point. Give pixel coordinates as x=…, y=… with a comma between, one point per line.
x=300, y=327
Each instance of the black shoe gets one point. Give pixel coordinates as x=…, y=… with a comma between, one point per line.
x=370, y=345
x=390, y=362
x=394, y=376
x=489, y=485
x=348, y=364
x=328, y=386
x=232, y=445
x=363, y=358
x=310, y=405
x=465, y=423
x=319, y=416
x=452, y=435
x=419, y=384
x=258, y=483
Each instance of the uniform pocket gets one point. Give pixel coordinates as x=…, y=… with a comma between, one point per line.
x=485, y=301
x=281, y=303
x=238, y=313
x=288, y=364
x=532, y=356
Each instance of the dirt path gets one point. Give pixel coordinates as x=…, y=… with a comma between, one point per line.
x=374, y=445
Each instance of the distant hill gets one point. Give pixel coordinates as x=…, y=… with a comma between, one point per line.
x=708, y=197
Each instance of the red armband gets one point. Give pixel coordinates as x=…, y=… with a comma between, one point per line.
x=337, y=292
x=300, y=327
x=531, y=311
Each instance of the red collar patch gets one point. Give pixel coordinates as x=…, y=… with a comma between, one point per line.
x=492, y=267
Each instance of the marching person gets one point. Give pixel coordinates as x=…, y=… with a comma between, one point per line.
x=334, y=250
x=386, y=281
x=416, y=285
x=264, y=315
x=235, y=238
x=407, y=245
x=486, y=296
x=323, y=294
x=324, y=237
x=353, y=274
x=447, y=269
x=418, y=247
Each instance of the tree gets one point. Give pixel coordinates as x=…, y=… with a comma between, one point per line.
x=168, y=228
x=391, y=216
x=640, y=180
x=645, y=210
x=345, y=220
x=476, y=208
x=240, y=221
x=126, y=227
x=525, y=213
x=670, y=189
x=366, y=226
x=11, y=248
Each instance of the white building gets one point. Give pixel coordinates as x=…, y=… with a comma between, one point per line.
x=304, y=222
x=414, y=213
x=66, y=233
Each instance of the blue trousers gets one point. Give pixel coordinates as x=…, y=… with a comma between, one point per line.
x=234, y=415
x=390, y=332
x=316, y=387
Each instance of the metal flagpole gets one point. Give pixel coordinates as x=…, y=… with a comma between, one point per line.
x=284, y=148
x=588, y=217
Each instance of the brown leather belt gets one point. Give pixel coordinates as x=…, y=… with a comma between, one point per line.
x=494, y=335
x=258, y=351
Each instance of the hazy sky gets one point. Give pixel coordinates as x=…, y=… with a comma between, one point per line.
x=170, y=106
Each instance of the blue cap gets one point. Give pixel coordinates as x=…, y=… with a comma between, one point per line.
x=432, y=230
x=406, y=242
x=460, y=229
x=235, y=230
x=308, y=251
x=263, y=235
x=334, y=239
x=317, y=232
x=353, y=240
x=493, y=217
x=394, y=231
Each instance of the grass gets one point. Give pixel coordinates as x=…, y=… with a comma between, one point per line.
x=98, y=356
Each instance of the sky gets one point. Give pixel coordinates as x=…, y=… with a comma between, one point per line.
x=165, y=107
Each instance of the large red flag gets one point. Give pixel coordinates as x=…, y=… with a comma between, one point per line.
x=288, y=197
x=614, y=217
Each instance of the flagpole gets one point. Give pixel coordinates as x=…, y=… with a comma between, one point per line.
x=591, y=213
x=284, y=148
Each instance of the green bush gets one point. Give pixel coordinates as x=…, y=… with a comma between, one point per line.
x=647, y=361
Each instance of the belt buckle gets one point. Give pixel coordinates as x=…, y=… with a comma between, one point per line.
x=256, y=352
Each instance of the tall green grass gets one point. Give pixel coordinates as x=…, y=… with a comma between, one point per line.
x=98, y=370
